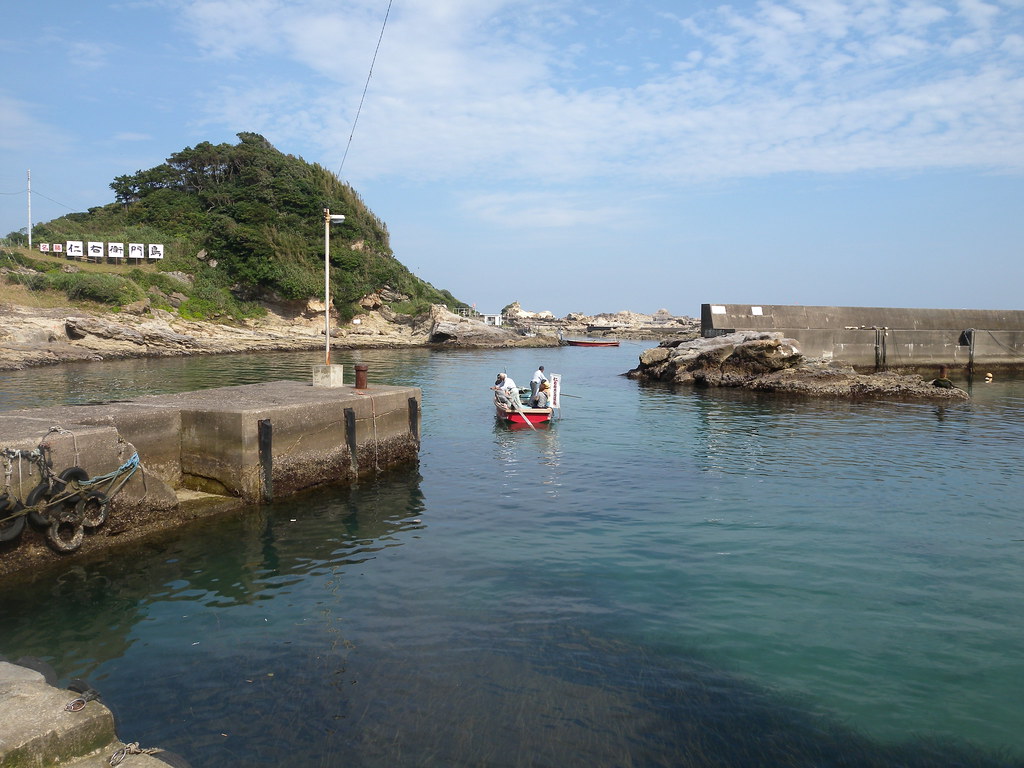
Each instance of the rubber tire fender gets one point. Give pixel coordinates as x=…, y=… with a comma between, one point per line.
x=92, y=508
x=11, y=529
x=66, y=532
x=71, y=473
x=40, y=493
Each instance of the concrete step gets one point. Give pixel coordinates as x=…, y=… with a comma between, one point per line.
x=37, y=730
x=101, y=759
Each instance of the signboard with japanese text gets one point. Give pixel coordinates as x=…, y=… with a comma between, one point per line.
x=156, y=251
x=115, y=250
x=75, y=248
x=136, y=251
x=95, y=250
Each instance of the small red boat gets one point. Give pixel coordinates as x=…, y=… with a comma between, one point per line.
x=592, y=342
x=522, y=415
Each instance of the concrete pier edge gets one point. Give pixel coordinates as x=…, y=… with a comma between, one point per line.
x=208, y=451
x=38, y=730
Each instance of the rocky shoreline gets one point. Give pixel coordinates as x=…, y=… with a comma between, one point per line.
x=769, y=362
x=764, y=362
x=31, y=337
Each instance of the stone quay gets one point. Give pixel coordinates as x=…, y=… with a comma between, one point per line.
x=199, y=453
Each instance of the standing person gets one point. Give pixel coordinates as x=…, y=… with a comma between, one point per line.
x=538, y=377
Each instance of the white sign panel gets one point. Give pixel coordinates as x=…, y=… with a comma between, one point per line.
x=75, y=248
x=44, y=247
x=156, y=251
x=556, y=390
x=717, y=309
x=58, y=247
x=95, y=250
x=136, y=251
x=115, y=250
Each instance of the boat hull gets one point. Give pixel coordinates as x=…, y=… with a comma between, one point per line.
x=523, y=415
x=590, y=343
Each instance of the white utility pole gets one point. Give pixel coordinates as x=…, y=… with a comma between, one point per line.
x=328, y=220
x=30, y=208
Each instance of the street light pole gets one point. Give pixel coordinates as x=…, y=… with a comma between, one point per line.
x=328, y=219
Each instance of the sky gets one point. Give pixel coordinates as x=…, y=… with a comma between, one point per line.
x=573, y=156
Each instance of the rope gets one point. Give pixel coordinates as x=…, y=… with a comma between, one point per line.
x=130, y=749
x=61, y=431
x=365, y=87
x=9, y=470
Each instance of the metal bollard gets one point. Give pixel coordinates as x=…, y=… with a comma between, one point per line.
x=360, y=376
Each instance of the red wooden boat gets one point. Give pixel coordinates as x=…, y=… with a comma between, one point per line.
x=592, y=342
x=522, y=415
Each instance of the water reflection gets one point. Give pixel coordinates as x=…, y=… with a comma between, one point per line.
x=224, y=563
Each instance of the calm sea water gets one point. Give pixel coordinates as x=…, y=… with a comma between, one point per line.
x=661, y=578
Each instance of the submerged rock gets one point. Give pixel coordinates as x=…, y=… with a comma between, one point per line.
x=769, y=362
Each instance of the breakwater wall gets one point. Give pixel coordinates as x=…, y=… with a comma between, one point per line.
x=201, y=452
x=880, y=338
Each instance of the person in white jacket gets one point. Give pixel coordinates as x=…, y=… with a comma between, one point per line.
x=538, y=377
x=505, y=389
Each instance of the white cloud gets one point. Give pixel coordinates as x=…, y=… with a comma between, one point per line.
x=86, y=55
x=542, y=209
x=493, y=89
x=24, y=127
x=978, y=13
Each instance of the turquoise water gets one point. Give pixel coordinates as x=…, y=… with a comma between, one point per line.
x=660, y=578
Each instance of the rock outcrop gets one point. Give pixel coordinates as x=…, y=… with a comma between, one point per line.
x=449, y=329
x=662, y=325
x=768, y=362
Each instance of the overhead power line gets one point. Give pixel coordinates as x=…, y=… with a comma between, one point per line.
x=365, y=88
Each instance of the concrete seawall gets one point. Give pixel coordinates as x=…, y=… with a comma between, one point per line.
x=878, y=338
x=44, y=725
x=206, y=451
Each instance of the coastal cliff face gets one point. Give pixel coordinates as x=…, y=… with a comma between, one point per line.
x=769, y=362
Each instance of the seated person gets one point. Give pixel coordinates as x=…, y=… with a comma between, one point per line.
x=540, y=400
x=943, y=380
x=505, y=390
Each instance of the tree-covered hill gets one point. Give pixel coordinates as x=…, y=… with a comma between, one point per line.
x=247, y=221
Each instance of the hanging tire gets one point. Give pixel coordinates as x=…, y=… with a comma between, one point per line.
x=39, y=494
x=71, y=473
x=92, y=509
x=11, y=529
x=66, y=532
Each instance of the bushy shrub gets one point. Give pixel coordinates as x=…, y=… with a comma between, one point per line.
x=101, y=287
x=33, y=282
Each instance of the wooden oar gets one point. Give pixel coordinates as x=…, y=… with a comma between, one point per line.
x=519, y=407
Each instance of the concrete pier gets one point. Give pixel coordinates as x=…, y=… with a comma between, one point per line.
x=209, y=450
x=37, y=728
x=879, y=338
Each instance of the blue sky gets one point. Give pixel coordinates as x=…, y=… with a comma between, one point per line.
x=573, y=156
